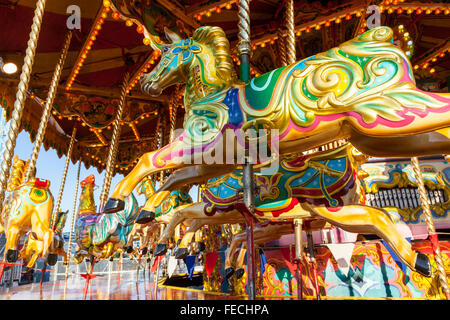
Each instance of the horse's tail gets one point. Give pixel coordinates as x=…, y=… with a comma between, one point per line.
x=17, y=174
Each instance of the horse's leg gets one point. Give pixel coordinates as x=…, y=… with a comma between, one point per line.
x=149, y=163
x=188, y=211
x=33, y=259
x=239, y=266
x=12, y=239
x=147, y=213
x=238, y=239
x=364, y=219
x=188, y=237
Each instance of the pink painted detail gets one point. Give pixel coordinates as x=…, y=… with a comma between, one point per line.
x=407, y=119
x=203, y=148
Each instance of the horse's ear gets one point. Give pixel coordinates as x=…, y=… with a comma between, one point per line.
x=172, y=36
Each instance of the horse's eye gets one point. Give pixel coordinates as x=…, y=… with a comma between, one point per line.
x=165, y=49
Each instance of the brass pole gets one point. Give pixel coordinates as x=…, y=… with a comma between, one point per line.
x=48, y=107
x=282, y=48
x=19, y=104
x=244, y=49
x=290, y=38
x=430, y=226
x=298, y=256
x=114, y=145
x=66, y=168
x=74, y=218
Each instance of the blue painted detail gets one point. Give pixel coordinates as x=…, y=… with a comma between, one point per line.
x=397, y=260
x=234, y=108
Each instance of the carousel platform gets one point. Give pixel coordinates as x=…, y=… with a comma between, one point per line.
x=109, y=287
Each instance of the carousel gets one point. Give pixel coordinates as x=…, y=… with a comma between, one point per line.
x=269, y=149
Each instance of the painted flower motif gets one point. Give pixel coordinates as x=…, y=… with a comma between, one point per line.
x=186, y=48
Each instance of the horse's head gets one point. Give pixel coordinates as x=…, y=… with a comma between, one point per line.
x=203, y=60
x=146, y=187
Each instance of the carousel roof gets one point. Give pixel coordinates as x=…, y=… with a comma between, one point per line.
x=107, y=47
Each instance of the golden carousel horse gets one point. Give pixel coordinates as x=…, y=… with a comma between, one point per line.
x=27, y=209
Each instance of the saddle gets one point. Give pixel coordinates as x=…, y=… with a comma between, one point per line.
x=39, y=189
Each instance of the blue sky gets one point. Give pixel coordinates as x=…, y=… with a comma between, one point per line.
x=51, y=168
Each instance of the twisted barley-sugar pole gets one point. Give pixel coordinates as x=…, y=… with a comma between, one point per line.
x=430, y=226
x=114, y=147
x=290, y=37
x=244, y=49
x=72, y=223
x=64, y=176
x=48, y=107
x=291, y=57
x=19, y=104
x=282, y=48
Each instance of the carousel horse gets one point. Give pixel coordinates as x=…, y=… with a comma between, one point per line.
x=323, y=186
x=28, y=207
x=146, y=227
x=100, y=235
x=33, y=246
x=363, y=91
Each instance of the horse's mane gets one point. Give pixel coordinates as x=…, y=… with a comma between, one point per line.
x=215, y=38
x=17, y=174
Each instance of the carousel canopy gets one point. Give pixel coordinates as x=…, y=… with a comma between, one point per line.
x=106, y=47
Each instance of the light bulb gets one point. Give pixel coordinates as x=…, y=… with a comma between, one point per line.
x=9, y=68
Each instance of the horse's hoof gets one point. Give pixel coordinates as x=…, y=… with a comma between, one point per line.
x=229, y=272
x=114, y=205
x=201, y=246
x=422, y=265
x=181, y=253
x=12, y=255
x=145, y=217
x=52, y=259
x=111, y=259
x=144, y=251
x=129, y=249
x=239, y=273
x=161, y=249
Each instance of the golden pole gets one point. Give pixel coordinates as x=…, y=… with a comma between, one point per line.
x=298, y=256
x=19, y=104
x=72, y=223
x=66, y=168
x=290, y=38
x=48, y=107
x=282, y=48
x=430, y=226
x=114, y=144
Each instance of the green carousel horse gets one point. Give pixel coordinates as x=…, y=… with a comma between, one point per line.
x=100, y=235
x=145, y=227
x=363, y=91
